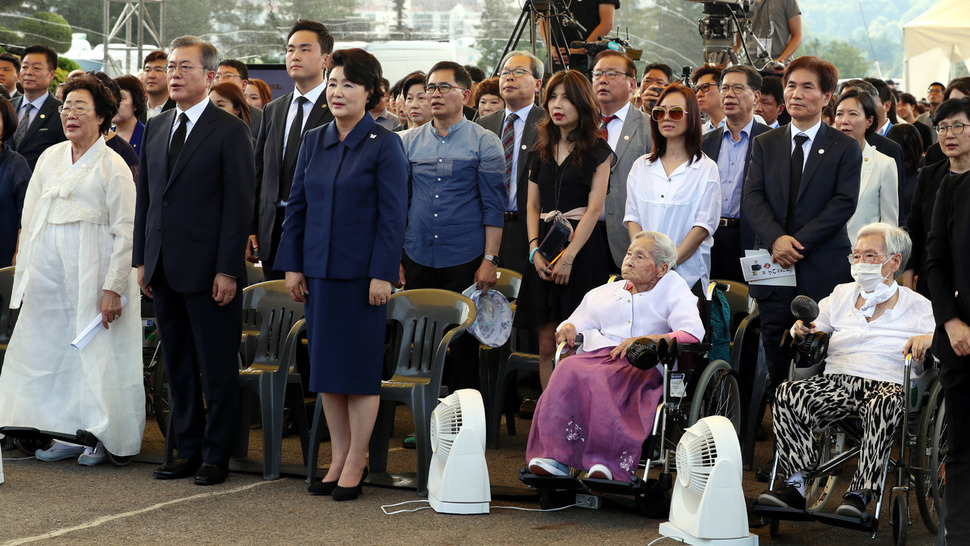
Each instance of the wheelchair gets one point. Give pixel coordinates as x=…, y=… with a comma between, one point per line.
x=693, y=388
x=919, y=462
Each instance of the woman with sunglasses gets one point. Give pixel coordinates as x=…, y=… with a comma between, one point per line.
x=569, y=171
x=675, y=189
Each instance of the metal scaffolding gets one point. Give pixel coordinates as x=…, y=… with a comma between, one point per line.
x=133, y=13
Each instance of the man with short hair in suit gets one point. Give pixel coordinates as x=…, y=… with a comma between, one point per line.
x=802, y=188
x=730, y=147
x=9, y=68
x=627, y=130
x=520, y=79
x=193, y=209
x=237, y=73
x=156, y=84
x=285, y=121
x=39, y=124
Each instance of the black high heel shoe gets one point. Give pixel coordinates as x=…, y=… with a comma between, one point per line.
x=349, y=493
x=321, y=488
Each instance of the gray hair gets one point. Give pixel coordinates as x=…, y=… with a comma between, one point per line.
x=210, y=55
x=664, y=251
x=895, y=240
x=537, y=66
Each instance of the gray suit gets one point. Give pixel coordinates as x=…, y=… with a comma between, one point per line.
x=515, y=246
x=634, y=142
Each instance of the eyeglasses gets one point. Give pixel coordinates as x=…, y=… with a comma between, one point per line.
x=956, y=128
x=608, y=74
x=675, y=113
x=184, y=67
x=738, y=88
x=68, y=109
x=445, y=88
x=518, y=73
x=868, y=258
x=706, y=87
x=226, y=76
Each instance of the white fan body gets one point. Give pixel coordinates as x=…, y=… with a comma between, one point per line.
x=458, y=478
x=1, y=470
x=708, y=505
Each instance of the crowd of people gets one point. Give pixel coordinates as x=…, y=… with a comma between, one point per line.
x=350, y=185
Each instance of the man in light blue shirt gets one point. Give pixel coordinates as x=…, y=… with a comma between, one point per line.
x=457, y=203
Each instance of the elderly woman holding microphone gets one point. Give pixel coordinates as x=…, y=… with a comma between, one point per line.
x=74, y=261
x=341, y=250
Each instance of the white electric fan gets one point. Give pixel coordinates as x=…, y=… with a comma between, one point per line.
x=708, y=505
x=458, y=479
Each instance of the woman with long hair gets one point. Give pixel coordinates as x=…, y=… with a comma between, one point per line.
x=676, y=189
x=229, y=97
x=569, y=172
x=258, y=93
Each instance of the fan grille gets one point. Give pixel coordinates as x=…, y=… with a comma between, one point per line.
x=446, y=422
x=696, y=456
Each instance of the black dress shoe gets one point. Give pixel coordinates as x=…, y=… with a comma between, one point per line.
x=211, y=474
x=349, y=493
x=177, y=469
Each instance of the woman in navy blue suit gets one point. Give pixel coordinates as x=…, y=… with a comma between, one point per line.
x=340, y=249
x=14, y=174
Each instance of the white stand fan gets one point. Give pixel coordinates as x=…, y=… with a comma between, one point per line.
x=458, y=478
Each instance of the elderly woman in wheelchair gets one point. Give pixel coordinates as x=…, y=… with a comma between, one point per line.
x=873, y=324
x=599, y=408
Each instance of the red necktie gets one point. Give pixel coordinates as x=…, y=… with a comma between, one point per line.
x=604, y=132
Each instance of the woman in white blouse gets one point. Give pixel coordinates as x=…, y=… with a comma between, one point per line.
x=675, y=189
x=873, y=323
x=855, y=115
x=74, y=262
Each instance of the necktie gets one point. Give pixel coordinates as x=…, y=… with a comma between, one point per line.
x=178, y=140
x=293, y=139
x=508, y=142
x=24, y=124
x=604, y=132
x=797, y=164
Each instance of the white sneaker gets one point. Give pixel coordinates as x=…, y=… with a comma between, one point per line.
x=59, y=451
x=549, y=467
x=92, y=456
x=599, y=472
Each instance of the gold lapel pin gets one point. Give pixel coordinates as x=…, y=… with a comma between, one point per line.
x=524, y=146
x=820, y=152
x=42, y=116
x=626, y=137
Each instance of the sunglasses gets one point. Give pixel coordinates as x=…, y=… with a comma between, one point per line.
x=673, y=114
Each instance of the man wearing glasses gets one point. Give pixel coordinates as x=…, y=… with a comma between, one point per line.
x=627, y=131
x=156, y=84
x=656, y=76
x=730, y=146
x=706, y=80
x=236, y=73
x=457, y=206
x=39, y=126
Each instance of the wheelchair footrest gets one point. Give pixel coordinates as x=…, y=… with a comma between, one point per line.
x=614, y=487
x=558, y=483
x=865, y=523
x=778, y=512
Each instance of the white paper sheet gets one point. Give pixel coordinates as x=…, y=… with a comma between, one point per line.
x=92, y=330
x=759, y=270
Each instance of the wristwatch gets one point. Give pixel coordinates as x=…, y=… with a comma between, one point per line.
x=490, y=258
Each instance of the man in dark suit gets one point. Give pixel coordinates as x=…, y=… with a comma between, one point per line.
x=9, y=69
x=627, y=130
x=236, y=73
x=39, y=122
x=730, y=147
x=156, y=84
x=308, y=49
x=802, y=188
x=192, y=214
x=519, y=81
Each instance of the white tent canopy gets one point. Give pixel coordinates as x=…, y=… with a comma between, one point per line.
x=934, y=42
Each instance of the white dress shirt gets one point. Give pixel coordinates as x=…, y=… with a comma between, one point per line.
x=811, y=133
x=193, y=113
x=312, y=96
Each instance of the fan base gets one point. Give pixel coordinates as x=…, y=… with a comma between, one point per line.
x=445, y=507
x=668, y=529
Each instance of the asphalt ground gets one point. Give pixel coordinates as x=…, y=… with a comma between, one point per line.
x=47, y=503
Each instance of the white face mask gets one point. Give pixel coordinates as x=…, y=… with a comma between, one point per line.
x=869, y=276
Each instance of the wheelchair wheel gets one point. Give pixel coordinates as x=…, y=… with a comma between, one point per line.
x=31, y=444
x=119, y=461
x=900, y=519
x=820, y=490
x=717, y=393
x=930, y=454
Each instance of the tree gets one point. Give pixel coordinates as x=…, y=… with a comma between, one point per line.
x=666, y=31
x=48, y=29
x=847, y=58
x=493, y=33
x=339, y=16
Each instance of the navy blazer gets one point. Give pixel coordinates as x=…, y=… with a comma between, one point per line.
x=14, y=175
x=711, y=146
x=826, y=200
x=45, y=131
x=947, y=262
x=198, y=216
x=348, y=205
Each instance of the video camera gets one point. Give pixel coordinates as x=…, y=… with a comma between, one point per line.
x=726, y=24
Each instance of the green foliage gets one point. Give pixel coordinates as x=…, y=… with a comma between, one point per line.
x=8, y=36
x=85, y=16
x=850, y=61
x=48, y=29
x=493, y=32
x=666, y=31
x=64, y=67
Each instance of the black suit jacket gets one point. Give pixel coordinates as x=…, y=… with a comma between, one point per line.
x=948, y=262
x=494, y=122
x=826, y=200
x=269, y=164
x=45, y=130
x=198, y=216
x=711, y=146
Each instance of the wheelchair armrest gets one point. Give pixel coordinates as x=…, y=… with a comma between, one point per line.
x=563, y=351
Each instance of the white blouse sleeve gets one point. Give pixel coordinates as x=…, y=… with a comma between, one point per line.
x=709, y=211
x=638, y=174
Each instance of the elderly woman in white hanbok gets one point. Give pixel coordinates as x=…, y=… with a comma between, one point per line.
x=598, y=408
x=74, y=261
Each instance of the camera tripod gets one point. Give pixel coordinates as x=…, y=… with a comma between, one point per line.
x=553, y=18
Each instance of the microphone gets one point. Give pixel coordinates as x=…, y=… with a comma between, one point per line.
x=569, y=22
x=805, y=309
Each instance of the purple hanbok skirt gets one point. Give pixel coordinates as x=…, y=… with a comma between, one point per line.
x=596, y=411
